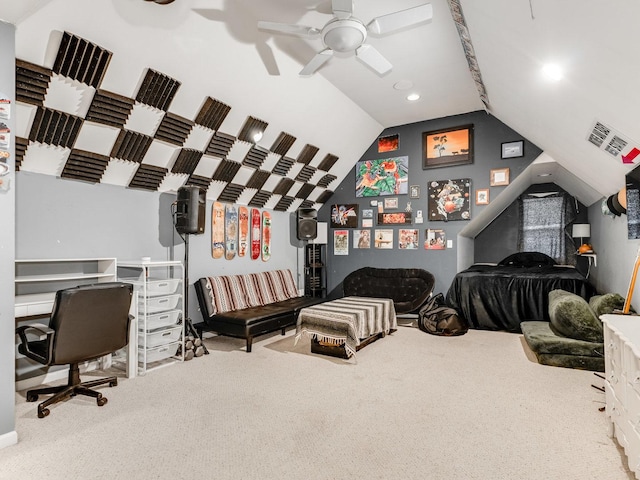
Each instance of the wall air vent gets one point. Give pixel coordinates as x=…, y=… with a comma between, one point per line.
x=157, y=90
x=230, y=193
x=174, y=129
x=110, y=109
x=327, y=162
x=260, y=198
x=258, y=179
x=255, y=157
x=55, y=128
x=307, y=154
x=305, y=173
x=305, y=191
x=187, y=161
x=283, y=186
x=198, y=181
x=21, y=148
x=131, y=146
x=283, y=204
x=148, y=177
x=220, y=145
x=283, y=166
x=226, y=171
x=32, y=83
x=614, y=143
x=81, y=60
x=212, y=114
x=85, y=166
x=283, y=143
x=251, y=127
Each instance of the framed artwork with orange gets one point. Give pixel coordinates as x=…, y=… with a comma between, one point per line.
x=447, y=147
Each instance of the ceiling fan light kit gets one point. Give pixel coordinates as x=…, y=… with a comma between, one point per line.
x=346, y=33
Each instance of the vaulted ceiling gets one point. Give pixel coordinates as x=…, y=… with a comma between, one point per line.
x=215, y=61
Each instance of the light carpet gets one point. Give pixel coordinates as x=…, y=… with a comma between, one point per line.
x=410, y=406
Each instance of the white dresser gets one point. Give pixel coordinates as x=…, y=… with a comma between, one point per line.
x=622, y=383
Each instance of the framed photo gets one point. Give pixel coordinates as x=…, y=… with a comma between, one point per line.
x=391, y=202
x=447, y=147
x=344, y=216
x=414, y=191
x=512, y=149
x=408, y=239
x=341, y=242
x=449, y=199
x=362, y=239
x=482, y=196
x=435, y=239
x=397, y=218
x=499, y=177
x=388, y=143
x=367, y=222
x=367, y=213
x=383, y=176
x=383, y=238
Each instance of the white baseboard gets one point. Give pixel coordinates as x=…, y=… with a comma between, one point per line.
x=8, y=439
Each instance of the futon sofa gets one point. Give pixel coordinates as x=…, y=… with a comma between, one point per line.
x=249, y=305
x=573, y=338
x=409, y=288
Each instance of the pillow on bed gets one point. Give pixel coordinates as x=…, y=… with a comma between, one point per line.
x=607, y=303
x=527, y=259
x=571, y=316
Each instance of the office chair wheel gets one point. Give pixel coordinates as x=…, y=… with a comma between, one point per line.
x=32, y=397
x=101, y=401
x=43, y=412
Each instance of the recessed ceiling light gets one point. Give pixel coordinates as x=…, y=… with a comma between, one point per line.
x=552, y=71
x=413, y=97
x=544, y=174
x=257, y=137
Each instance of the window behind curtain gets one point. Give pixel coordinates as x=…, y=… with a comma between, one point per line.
x=543, y=227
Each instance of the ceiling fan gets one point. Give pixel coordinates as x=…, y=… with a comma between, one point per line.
x=346, y=33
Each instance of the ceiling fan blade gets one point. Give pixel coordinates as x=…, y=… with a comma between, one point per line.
x=342, y=8
x=289, y=29
x=404, y=18
x=316, y=62
x=373, y=59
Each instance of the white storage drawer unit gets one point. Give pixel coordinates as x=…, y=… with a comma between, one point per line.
x=160, y=289
x=622, y=383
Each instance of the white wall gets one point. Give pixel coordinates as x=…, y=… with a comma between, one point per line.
x=7, y=226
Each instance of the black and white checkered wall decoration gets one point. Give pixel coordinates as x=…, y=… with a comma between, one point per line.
x=80, y=131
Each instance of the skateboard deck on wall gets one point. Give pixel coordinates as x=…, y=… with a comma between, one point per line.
x=217, y=230
x=243, y=224
x=255, y=233
x=231, y=231
x=266, y=236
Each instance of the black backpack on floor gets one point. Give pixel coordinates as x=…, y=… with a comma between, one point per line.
x=437, y=318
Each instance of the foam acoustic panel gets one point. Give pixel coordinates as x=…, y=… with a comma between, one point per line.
x=163, y=150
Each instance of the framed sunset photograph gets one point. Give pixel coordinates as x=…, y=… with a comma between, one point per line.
x=447, y=147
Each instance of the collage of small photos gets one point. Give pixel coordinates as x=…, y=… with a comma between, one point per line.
x=5, y=141
x=447, y=200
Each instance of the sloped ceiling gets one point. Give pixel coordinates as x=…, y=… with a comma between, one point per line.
x=214, y=50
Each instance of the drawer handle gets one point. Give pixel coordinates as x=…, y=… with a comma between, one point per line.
x=163, y=284
x=166, y=333
x=165, y=300
x=162, y=317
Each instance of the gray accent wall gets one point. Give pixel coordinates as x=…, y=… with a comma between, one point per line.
x=8, y=434
x=489, y=133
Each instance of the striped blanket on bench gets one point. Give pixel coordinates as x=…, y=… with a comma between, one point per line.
x=347, y=321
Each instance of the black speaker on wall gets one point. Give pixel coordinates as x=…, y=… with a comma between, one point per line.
x=190, y=210
x=307, y=226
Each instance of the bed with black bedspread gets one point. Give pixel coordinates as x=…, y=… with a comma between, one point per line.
x=501, y=296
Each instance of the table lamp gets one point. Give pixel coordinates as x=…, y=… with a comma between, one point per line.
x=582, y=231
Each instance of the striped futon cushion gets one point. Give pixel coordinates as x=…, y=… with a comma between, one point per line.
x=235, y=292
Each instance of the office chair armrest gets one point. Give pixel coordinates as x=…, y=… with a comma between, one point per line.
x=43, y=332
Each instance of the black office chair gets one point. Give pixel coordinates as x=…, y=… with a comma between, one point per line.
x=87, y=322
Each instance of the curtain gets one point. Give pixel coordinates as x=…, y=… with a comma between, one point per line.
x=545, y=226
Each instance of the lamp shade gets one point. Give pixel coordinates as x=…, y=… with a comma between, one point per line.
x=581, y=230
